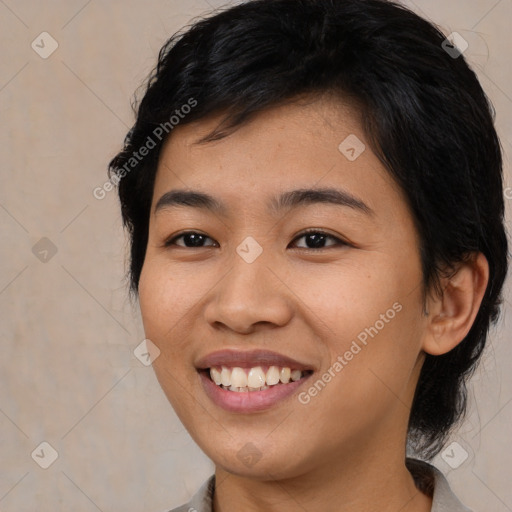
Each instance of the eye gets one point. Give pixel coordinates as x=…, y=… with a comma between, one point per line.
x=315, y=239
x=194, y=238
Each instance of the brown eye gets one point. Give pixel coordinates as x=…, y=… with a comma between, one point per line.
x=315, y=239
x=193, y=238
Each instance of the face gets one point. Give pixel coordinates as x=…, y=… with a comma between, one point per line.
x=258, y=278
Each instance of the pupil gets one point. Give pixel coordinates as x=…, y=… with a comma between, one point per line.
x=317, y=239
x=196, y=239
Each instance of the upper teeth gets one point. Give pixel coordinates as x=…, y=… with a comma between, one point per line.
x=254, y=378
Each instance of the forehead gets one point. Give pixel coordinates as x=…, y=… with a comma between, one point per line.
x=311, y=142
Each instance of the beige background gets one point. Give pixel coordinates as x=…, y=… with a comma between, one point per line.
x=68, y=330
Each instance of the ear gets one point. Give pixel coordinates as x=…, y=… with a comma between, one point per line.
x=451, y=316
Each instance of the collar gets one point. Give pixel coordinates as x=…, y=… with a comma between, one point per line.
x=427, y=477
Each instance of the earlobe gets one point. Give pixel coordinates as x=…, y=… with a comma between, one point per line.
x=452, y=314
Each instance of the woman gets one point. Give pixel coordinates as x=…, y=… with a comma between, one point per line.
x=313, y=190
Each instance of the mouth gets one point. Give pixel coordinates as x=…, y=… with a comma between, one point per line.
x=250, y=379
x=245, y=382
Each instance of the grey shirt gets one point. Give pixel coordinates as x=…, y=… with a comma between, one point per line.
x=427, y=477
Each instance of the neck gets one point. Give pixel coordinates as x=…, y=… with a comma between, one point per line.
x=375, y=480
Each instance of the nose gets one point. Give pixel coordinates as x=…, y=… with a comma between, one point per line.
x=249, y=296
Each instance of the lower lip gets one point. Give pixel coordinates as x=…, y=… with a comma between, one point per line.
x=248, y=401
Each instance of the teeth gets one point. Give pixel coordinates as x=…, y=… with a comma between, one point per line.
x=296, y=375
x=284, y=376
x=256, y=377
x=239, y=380
x=216, y=376
x=238, y=389
x=272, y=376
x=245, y=390
x=225, y=376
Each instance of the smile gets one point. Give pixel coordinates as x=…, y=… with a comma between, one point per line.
x=244, y=381
x=258, y=378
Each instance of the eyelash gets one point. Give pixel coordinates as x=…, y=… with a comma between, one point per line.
x=170, y=242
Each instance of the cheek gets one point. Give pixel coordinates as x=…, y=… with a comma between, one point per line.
x=163, y=304
x=165, y=295
x=152, y=299
x=171, y=298
x=352, y=298
x=162, y=313
x=374, y=322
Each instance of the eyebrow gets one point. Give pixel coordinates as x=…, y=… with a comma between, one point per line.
x=286, y=201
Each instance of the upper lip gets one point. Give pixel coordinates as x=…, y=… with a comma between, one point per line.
x=249, y=358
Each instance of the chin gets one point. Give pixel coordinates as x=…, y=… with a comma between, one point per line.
x=257, y=462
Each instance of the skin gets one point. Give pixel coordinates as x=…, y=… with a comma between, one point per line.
x=345, y=449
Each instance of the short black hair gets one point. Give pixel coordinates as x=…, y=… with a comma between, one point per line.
x=423, y=112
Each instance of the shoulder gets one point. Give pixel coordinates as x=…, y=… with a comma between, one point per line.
x=432, y=482
x=202, y=499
